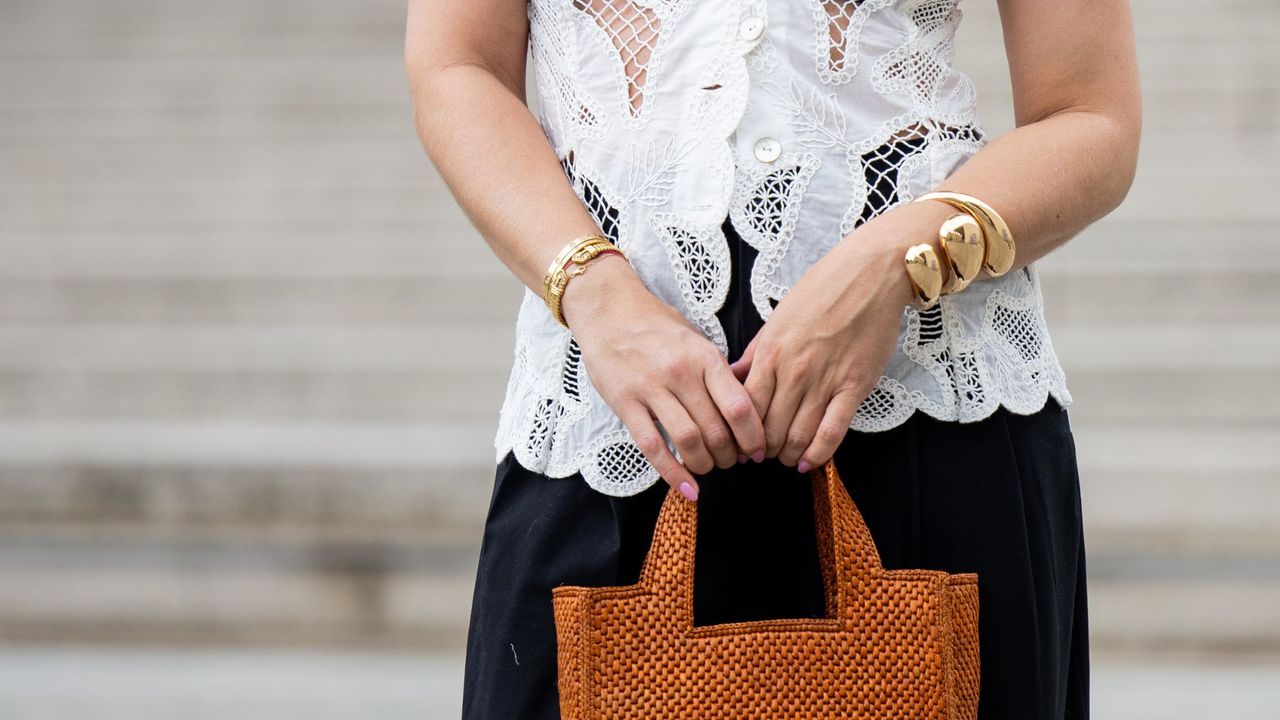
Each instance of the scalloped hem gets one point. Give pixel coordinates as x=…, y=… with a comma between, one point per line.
x=540, y=465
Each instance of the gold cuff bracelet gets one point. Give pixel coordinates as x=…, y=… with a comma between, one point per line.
x=963, y=248
x=925, y=273
x=999, y=241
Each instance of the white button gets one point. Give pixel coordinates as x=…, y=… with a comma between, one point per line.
x=767, y=149
x=751, y=28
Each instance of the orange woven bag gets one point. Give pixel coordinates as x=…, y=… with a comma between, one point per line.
x=899, y=644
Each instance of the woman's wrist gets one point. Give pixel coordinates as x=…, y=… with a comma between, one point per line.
x=887, y=237
x=608, y=277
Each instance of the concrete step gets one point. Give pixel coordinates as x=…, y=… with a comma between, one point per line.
x=224, y=166
x=433, y=501
x=1194, y=396
x=364, y=208
x=253, y=395
x=456, y=345
x=1174, y=485
x=1233, y=617
x=134, y=444
x=1137, y=246
x=1110, y=395
x=188, y=29
x=86, y=682
x=267, y=250
x=217, y=170
x=81, y=681
x=1122, y=244
x=459, y=297
x=175, y=589
x=1225, y=50
x=228, y=80
x=137, y=347
x=1072, y=296
x=108, y=588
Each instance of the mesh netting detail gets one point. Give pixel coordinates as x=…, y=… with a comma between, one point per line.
x=765, y=214
x=839, y=28
x=880, y=171
x=921, y=66
x=701, y=258
x=634, y=30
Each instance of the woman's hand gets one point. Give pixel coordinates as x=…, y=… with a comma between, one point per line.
x=649, y=362
x=830, y=338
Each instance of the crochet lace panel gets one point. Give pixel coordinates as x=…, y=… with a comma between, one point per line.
x=654, y=107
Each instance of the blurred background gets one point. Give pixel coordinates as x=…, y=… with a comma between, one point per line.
x=252, y=355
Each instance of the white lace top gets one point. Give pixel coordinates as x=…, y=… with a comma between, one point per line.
x=797, y=119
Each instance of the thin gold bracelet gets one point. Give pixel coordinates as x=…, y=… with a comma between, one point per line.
x=578, y=252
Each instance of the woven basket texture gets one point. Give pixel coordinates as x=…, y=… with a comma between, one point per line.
x=894, y=644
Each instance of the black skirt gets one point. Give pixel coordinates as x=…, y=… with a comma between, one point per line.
x=999, y=497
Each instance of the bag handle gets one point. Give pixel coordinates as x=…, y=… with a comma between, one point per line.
x=847, y=551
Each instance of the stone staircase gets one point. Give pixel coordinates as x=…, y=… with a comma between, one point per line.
x=251, y=353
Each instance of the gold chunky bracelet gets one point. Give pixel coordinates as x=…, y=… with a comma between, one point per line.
x=1000, y=248
x=963, y=247
x=926, y=275
x=577, y=252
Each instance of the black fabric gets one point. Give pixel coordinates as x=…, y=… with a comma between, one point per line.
x=999, y=497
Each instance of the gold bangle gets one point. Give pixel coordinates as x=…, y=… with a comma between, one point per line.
x=578, y=252
x=562, y=257
x=926, y=275
x=1000, y=246
x=963, y=247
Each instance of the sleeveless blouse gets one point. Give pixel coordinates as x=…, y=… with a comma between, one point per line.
x=797, y=120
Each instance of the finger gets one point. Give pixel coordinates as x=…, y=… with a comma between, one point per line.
x=742, y=365
x=735, y=405
x=787, y=394
x=702, y=408
x=645, y=434
x=760, y=384
x=831, y=431
x=813, y=406
x=681, y=428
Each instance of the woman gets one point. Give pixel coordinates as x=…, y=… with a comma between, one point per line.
x=756, y=160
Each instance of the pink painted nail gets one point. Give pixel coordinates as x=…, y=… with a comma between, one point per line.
x=804, y=466
x=758, y=456
x=742, y=458
x=688, y=491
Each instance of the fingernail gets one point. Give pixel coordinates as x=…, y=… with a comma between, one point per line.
x=742, y=458
x=688, y=490
x=758, y=456
x=804, y=466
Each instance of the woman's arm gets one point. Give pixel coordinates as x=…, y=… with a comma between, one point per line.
x=1078, y=109
x=470, y=113
x=1070, y=161
x=466, y=69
